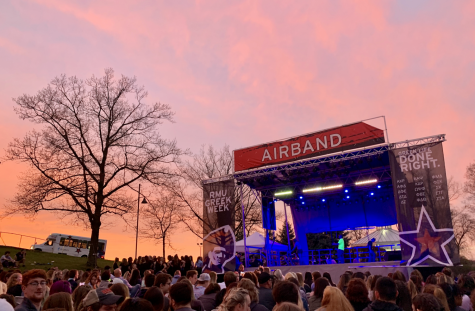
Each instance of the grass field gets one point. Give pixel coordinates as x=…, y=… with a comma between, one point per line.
x=41, y=260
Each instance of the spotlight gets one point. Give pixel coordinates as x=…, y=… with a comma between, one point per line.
x=347, y=196
x=322, y=188
x=379, y=186
x=282, y=193
x=303, y=202
x=346, y=191
x=369, y=181
x=372, y=193
x=301, y=197
x=323, y=200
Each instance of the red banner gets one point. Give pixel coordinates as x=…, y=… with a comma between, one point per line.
x=319, y=143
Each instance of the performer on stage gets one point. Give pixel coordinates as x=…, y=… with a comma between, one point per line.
x=372, y=255
x=341, y=249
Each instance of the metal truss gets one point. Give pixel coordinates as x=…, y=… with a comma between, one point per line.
x=350, y=155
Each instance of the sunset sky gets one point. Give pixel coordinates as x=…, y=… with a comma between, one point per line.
x=248, y=72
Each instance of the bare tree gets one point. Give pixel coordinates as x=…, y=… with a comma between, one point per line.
x=454, y=188
x=98, y=139
x=206, y=164
x=464, y=227
x=161, y=218
x=469, y=185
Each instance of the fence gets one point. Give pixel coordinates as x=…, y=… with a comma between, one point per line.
x=2, y=234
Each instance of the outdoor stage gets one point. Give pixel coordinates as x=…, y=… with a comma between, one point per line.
x=336, y=270
x=333, y=181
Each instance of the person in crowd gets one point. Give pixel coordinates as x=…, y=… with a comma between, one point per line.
x=357, y=294
x=5, y=305
x=202, y=282
x=93, y=280
x=195, y=304
x=78, y=295
x=199, y=264
x=315, y=275
x=302, y=295
x=287, y=306
x=135, y=278
x=329, y=278
x=373, y=285
x=133, y=289
x=286, y=291
x=60, y=287
x=438, y=293
x=176, y=276
x=7, y=261
x=149, y=282
x=105, y=280
x=3, y=282
x=278, y=275
x=120, y=289
x=59, y=300
x=253, y=294
x=236, y=300
x=404, y=298
x=124, y=266
x=136, y=304
x=83, y=278
x=57, y=276
x=431, y=279
x=20, y=258
x=308, y=282
x=208, y=299
x=251, y=276
x=101, y=299
x=412, y=288
x=116, y=263
x=213, y=277
x=334, y=300
x=192, y=276
x=344, y=280
x=468, y=285
x=315, y=300
x=156, y=298
x=9, y=298
x=398, y=275
x=180, y=296
x=34, y=289
x=453, y=295
x=14, y=279
x=425, y=302
x=265, y=290
x=229, y=277
x=385, y=294
x=73, y=276
x=163, y=282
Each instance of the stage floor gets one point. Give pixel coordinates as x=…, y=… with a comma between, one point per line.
x=336, y=270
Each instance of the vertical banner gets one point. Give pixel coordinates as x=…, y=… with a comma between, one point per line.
x=268, y=214
x=218, y=227
x=422, y=204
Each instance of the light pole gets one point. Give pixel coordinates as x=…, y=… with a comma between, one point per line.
x=138, y=213
x=199, y=245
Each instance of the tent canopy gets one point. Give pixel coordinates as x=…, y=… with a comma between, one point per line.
x=256, y=241
x=382, y=236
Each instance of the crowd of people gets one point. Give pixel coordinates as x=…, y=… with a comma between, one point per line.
x=150, y=284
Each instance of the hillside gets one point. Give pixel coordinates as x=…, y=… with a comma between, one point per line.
x=40, y=260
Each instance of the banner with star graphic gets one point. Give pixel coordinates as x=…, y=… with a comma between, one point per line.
x=422, y=204
x=218, y=226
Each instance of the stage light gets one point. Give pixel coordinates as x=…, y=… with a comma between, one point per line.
x=282, y=193
x=372, y=193
x=303, y=202
x=379, y=186
x=301, y=197
x=323, y=200
x=347, y=196
x=346, y=191
x=364, y=182
x=322, y=188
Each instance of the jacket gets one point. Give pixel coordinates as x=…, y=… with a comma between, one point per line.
x=379, y=305
x=257, y=307
x=26, y=305
x=208, y=301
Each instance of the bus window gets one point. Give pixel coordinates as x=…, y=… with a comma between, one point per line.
x=83, y=244
x=75, y=243
x=61, y=242
x=100, y=247
x=49, y=242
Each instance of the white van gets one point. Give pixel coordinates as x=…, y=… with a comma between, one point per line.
x=71, y=245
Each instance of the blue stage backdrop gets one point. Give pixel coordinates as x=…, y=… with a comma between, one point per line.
x=218, y=227
x=268, y=213
x=422, y=203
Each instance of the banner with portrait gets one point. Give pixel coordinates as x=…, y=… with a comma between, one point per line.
x=422, y=205
x=218, y=226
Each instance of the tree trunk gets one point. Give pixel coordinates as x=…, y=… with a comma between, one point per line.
x=92, y=257
x=163, y=248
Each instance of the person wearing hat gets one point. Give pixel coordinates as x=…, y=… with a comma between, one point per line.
x=265, y=290
x=201, y=284
x=101, y=299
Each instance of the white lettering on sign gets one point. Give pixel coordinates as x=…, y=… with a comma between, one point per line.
x=416, y=160
x=295, y=149
x=218, y=201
